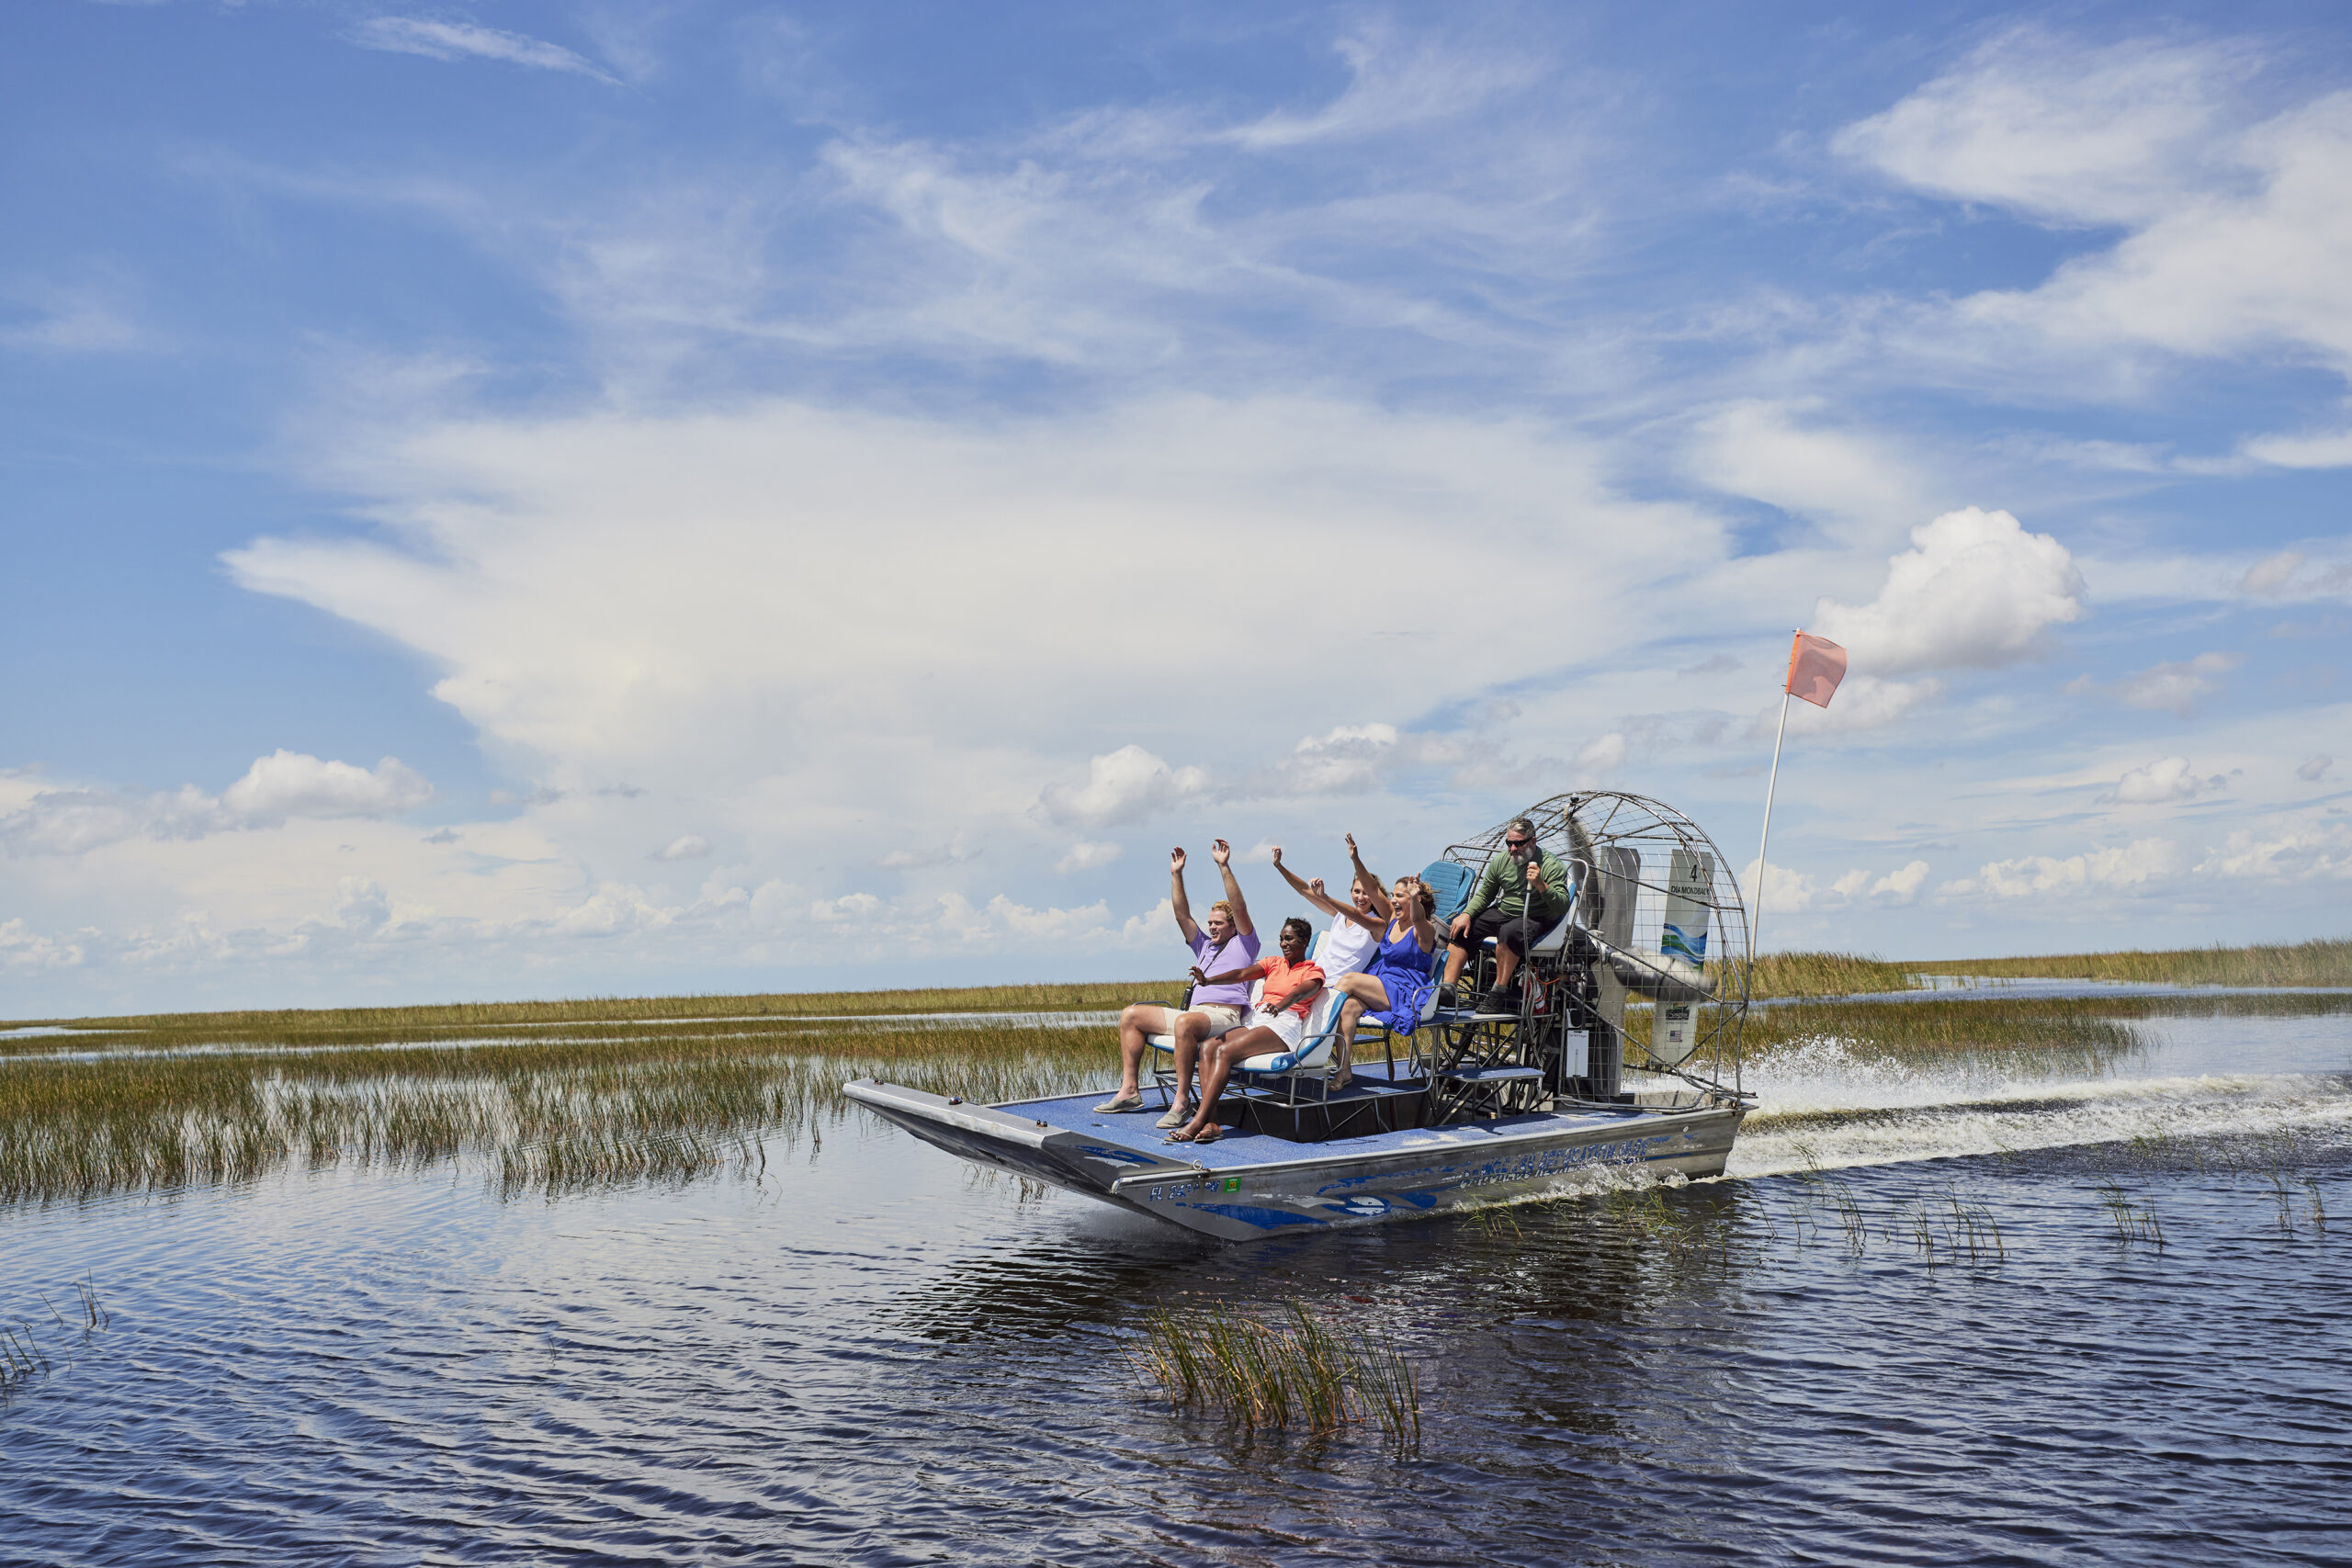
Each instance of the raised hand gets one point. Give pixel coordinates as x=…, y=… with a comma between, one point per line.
x=1176, y=860
x=1352, y=844
x=1315, y=888
x=1278, y=854
x=1220, y=851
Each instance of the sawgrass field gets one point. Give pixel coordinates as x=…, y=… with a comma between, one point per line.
x=543, y=1097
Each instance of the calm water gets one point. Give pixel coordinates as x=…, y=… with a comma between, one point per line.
x=874, y=1356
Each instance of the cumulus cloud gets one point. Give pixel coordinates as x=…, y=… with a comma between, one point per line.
x=2294, y=852
x=1124, y=785
x=2175, y=687
x=2165, y=782
x=276, y=788
x=1795, y=892
x=464, y=40
x=1902, y=886
x=685, y=846
x=2132, y=865
x=1976, y=591
x=1085, y=855
x=291, y=783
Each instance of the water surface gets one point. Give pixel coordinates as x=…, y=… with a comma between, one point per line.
x=873, y=1354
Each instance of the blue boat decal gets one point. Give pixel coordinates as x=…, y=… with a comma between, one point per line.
x=1264, y=1219
x=1675, y=944
x=1117, y=1156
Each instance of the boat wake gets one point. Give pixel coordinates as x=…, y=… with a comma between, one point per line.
x=1825, y=1107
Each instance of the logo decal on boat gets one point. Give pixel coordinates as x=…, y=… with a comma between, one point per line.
x=1116, y=1157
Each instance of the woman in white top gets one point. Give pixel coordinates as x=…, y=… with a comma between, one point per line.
x=1353, y=942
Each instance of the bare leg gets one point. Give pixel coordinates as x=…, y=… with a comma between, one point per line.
x=1216, y=1066
x=1134, y=1024
x=1456, y=956
x=1192, y=1028
x=1506, y=965
x=1365, y=994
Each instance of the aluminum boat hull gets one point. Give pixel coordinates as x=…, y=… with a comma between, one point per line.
x=1246, y=1187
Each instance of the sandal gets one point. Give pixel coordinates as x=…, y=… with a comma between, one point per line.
x=1118, y=1104
x=1208, y=1134
x=1179, y=1136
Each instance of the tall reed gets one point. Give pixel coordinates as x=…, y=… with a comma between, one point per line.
x=1291, y=1374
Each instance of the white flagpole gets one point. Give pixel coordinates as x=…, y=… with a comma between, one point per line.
x=1763, y=874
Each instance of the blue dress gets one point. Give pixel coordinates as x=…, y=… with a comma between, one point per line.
x=1404, y=969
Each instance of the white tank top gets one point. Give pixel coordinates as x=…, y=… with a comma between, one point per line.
x=1349, y=948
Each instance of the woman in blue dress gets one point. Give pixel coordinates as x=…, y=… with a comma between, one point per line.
x=1389, y=991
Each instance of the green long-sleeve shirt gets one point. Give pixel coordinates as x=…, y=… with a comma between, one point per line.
x=1504, y=885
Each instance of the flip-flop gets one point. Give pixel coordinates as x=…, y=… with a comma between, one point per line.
x=1179, y=1136
x=1208, y=1134
x=1118, y=1103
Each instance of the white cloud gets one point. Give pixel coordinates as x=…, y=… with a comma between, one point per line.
x=2131, y=866
x=2326, y=449
x=1976, y=591
x=2313, y=769
x=1087, y=856
x=1861, y=703
x=2163, y=782
x=685, y=846
x=1850, y=478
x=26, y=950
x=1604, y=756
x=2313, y=851
x=2271, y=573
x=462, y=40
x=1902, y=886
x=2172, y=687
x=293, y=783
x=2068, y=134
x=2236, y=227
x=1124, y=785
x=276, y=788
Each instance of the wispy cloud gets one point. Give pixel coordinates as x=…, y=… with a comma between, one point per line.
x=464, y=40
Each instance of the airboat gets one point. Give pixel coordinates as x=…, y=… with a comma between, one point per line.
x=1621, y=1059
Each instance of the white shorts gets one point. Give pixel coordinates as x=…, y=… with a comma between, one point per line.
x=1288, y=1025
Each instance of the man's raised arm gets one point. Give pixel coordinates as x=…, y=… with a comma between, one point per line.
x=1176, y=896
x=1221, y=852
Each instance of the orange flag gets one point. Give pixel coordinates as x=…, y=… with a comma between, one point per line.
x=1816, y=666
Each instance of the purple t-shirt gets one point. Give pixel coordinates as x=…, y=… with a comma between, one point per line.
x=1238, y=952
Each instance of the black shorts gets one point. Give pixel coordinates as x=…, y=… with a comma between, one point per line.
x=1513, y=931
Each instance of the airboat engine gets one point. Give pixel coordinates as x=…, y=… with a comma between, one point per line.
x=1652, y=894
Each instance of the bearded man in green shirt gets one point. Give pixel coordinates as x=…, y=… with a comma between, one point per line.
x=1523, y=894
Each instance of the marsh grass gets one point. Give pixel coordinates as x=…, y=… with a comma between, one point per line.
x=1992, y=1021
x=2316, y=963
x=1291, y=1374
x=1818, y=975
x=544, y=1117
x=592, y=1014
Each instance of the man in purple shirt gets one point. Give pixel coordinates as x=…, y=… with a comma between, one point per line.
x=1224, y=942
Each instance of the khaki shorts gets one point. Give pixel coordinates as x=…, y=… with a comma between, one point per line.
x=1222, y=1019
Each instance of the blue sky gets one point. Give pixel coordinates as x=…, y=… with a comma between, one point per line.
x=522, y=499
